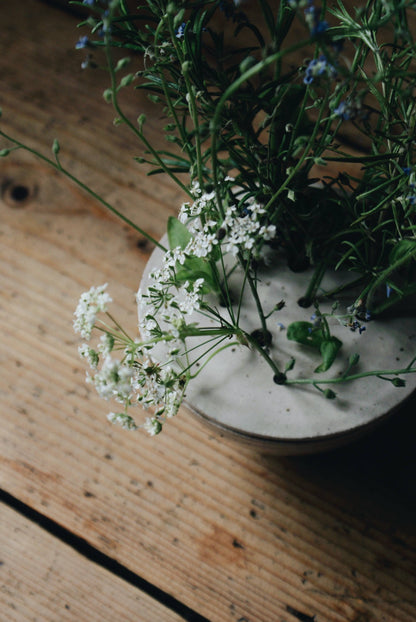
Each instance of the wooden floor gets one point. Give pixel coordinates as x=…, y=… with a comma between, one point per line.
x=99, y=524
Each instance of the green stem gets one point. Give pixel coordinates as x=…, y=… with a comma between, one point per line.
x=384, y=276
x=210, y=357
x=253, y=343
x=56, y=164
x=246, y=75
x=366, y=374
x=130, y=125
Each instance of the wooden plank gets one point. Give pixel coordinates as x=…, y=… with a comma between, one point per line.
x=232, y=534
x=45, y=579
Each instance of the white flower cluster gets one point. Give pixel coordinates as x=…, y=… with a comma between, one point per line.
x=204, y=238
x=166, y=300
x=243, y=230
x=113, y=380
x=157, y=386
x=174, y=292
x=90, y=304
x=202, y=202
x=135, y=379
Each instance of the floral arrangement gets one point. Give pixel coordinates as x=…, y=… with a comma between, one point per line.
x=248, y=124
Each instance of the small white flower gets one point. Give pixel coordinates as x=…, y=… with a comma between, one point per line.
x=113, y=380
x=106, y=344
x=89, y=354
x=203, y=240
x=196, y=188
x=126, y=422
x=90, y=304
x=245, y=230
x=152, y=426
x=190, y=297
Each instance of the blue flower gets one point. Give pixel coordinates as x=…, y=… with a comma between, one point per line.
x=316, y=25
x=83, y=42
x=88, y=2
x=180, y=31
x=407, y=170
x=343, y=110
x=356, y=325
x=320, y=27
x=388, y=290
x=318, y=67
x=246, y=211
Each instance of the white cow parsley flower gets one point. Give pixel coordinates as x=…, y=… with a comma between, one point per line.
x=90, y=304
x=113, y=380
x=123, y=419
x=152, y=426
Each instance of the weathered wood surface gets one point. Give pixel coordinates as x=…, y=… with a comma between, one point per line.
x=233, y=535
x=45, y=579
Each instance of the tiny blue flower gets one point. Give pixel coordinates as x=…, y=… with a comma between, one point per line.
x=83, y=42
x=320, y=27
x=367, y=316
x=388, y=290
x=246, y=211
x=180, y=31
x=343, y=111
x=318, y=67
x=407, y=170
x=88, y=2
x=361, y=329
x=316, y=26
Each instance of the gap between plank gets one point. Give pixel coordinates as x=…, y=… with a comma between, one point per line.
x=91, y=553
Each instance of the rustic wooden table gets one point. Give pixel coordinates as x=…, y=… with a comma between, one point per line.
x=101, y=524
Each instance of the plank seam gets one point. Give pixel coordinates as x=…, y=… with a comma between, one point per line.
x=101, y=559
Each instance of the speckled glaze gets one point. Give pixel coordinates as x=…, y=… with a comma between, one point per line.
x=236, y=394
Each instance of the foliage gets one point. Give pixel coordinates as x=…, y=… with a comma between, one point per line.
x=250, y=123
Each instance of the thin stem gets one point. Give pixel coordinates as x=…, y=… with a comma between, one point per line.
x=130, y=125
x=351, y=377
x=56, y=164
x=253, y=343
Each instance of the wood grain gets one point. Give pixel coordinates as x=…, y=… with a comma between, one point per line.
x=45, y=579
x=230, y=533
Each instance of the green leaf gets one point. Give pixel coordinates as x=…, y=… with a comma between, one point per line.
x=193, y=268
x=305, y=333
x=196, y=268
x=329, y=350
x=178, y=234
x=401, y=249
x=290, y=365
